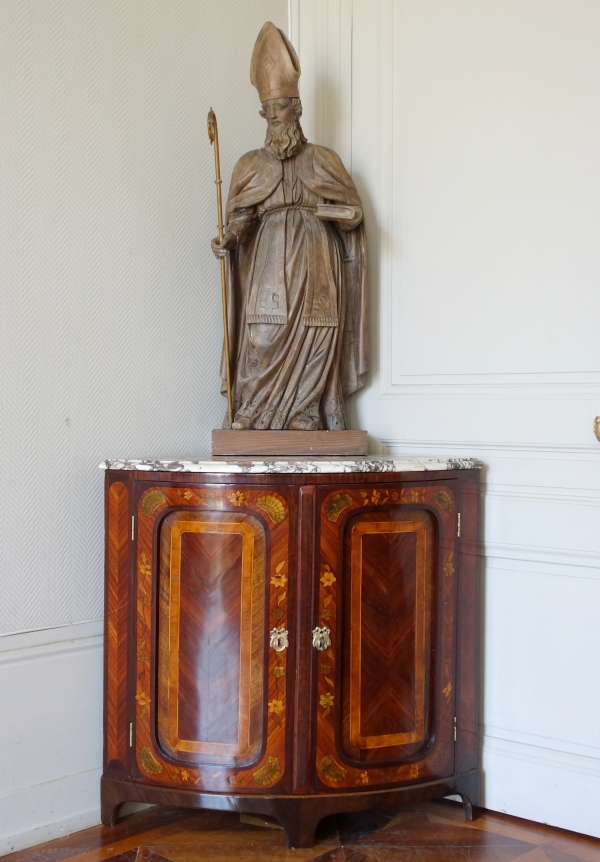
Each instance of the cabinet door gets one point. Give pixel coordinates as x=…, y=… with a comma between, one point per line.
x=386, y=600
x=212, y=578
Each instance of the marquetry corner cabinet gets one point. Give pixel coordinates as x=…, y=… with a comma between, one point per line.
x=292, y=644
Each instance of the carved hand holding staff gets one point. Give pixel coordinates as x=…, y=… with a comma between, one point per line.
x=296, y=258
x=213, y=136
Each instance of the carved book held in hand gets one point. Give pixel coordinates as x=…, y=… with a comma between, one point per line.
x=336, y=212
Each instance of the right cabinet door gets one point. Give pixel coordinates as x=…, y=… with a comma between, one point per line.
x=385, y=598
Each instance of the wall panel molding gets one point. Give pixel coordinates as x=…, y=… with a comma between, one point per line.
x=25, y=656
x=532, y=449
x=435, y=140
x=42, y=636
x=550, y=496
x=582, y=759
x=551, y=561
x=494, y=386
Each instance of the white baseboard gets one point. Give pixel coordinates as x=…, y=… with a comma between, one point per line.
x=543, y=780
x=51, y=755
x=53, y=809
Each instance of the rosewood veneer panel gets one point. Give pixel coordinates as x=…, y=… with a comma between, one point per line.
x=116, y=721
x=390, y=572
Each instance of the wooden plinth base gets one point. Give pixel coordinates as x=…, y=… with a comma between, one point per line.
x=289, y=443
x=299, y=815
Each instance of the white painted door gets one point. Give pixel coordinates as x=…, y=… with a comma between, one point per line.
x=472, y=130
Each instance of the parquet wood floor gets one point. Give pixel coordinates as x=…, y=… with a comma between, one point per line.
x=427, y=832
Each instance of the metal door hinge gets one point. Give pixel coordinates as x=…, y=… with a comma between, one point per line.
x=131, y=734
x=458, y=526
x=133, y=526
x=454, y=728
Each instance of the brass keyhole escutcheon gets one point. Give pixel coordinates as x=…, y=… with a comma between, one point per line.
x=278, y=639
x=321, y=638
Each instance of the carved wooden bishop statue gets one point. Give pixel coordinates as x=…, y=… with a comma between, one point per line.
x=297, y=273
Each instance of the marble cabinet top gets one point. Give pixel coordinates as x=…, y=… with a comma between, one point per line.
x=375, y=464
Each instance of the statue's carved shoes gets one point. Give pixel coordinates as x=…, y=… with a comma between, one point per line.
x=241, y=423
x=303, y=423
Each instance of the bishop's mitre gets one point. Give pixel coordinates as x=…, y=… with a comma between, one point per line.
x=274, y=68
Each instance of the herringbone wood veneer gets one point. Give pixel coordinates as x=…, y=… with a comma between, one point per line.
x=116, y=623
x=209, y=667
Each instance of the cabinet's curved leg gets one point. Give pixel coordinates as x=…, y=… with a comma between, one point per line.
x=468, y=788
x=299, y=831
x=467, y=806
x=299, y=821
x=110, y=803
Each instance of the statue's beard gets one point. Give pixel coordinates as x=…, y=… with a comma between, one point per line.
x=286, y=142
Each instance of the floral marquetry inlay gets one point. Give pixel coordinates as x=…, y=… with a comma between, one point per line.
x=279, y=579
x=328, y=578
x=238, y=498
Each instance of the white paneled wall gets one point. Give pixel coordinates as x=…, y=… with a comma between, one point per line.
x=110, y=332
x=472, y=129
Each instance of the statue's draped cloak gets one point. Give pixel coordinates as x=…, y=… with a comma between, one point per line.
x=326, y=314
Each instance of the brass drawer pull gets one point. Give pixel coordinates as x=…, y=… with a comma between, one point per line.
x=278, y=639
x=321, y=639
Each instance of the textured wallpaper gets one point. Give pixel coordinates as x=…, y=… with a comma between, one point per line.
x=110, y=320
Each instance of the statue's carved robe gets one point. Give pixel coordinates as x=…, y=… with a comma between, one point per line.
x=297, y=290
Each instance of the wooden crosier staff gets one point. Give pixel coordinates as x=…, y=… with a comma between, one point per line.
x=213, y=136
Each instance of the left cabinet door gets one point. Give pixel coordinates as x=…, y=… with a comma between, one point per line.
x=212, y=572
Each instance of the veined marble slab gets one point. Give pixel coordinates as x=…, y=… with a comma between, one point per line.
x=297, y=465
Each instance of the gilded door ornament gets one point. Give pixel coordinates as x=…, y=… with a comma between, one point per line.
x=321, y=638
x=269, y=773
x=443, y=498
x=151, y=500
x=336, y=506
x=278, y=639
x=148, y=762
x=274, y=507
x=332, y=769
